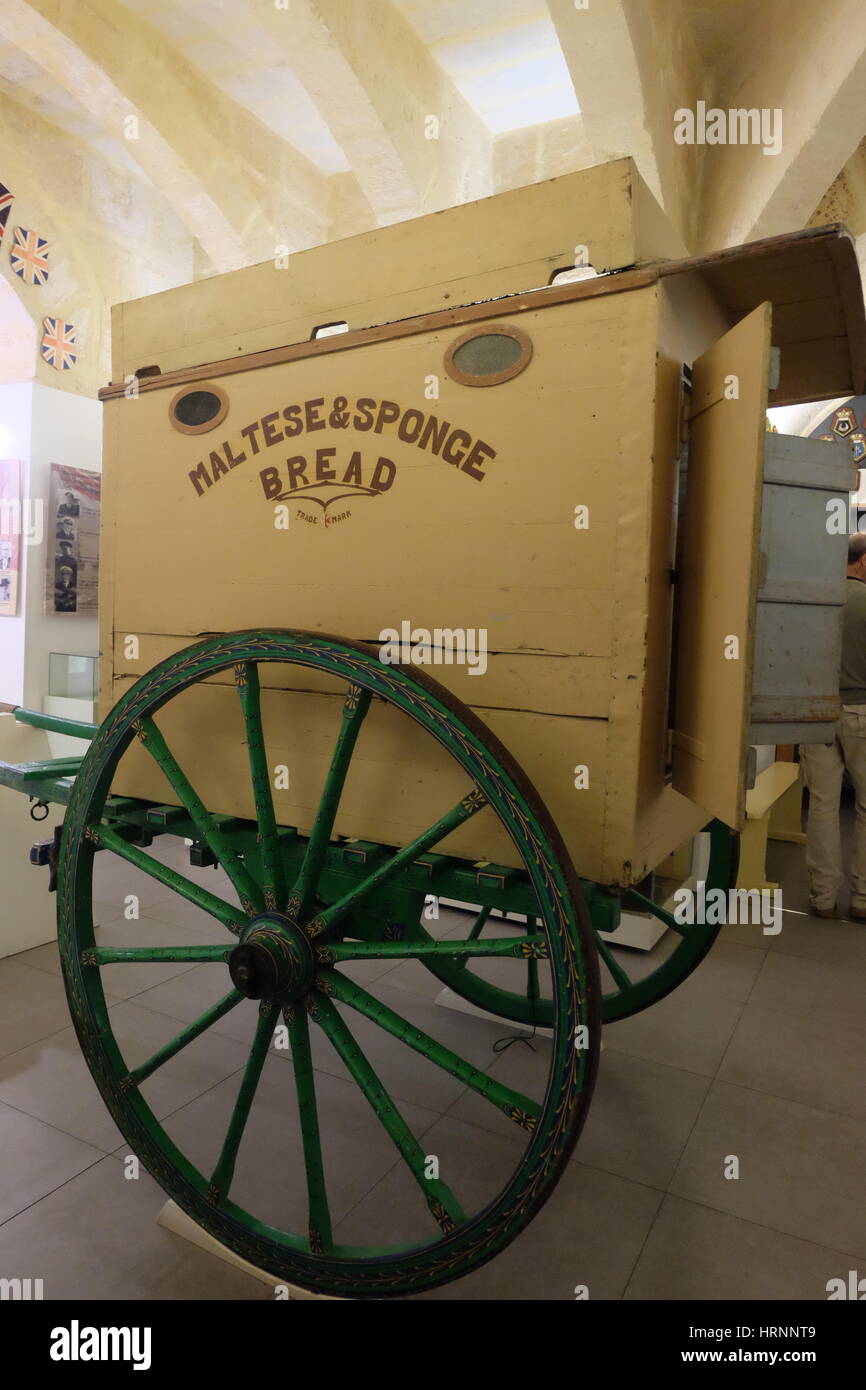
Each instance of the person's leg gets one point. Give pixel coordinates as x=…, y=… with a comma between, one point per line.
x=852, y=734
x=822, y=771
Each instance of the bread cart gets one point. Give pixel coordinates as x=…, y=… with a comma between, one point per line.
x=519, y=446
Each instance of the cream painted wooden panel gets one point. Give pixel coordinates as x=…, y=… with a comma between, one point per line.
x=720, y=567
x=400, y=780
x=513, y=241
x=667, y=821
x=565, y=609
x=513, y=680
x=664, y=818
x=440, y=547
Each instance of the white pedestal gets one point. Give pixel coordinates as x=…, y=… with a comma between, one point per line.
x=447, y=999
x=639, y=930
x=177, y=1221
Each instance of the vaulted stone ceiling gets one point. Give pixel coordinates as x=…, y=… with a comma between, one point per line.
x=156, y=144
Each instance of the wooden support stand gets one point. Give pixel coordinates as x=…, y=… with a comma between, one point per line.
x=772, y=808
x=786, y=817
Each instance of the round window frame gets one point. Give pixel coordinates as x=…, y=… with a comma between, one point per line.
x=208, y=424
x=490, y=330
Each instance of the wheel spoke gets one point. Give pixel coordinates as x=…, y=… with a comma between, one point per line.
x=647, y=905
x=224, y=912
x=621, y=978
x=532, y=991
x=249, y=692
x=224, y=1172
x=354, y=709
x=528, y=947
x=186, y=1036
x=137, y=955
x=514, y=1104
x=247, y=889
x=479, y=923
x=471, y=804
x=475, y=931
x=439, y=1197
x=321, y=1237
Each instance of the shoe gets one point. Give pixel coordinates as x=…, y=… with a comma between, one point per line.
x=827, y=912
x=857, y=914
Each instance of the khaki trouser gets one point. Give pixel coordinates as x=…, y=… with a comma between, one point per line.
x=823, y=765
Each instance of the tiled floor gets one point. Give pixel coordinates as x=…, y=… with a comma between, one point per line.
x=757, y=1061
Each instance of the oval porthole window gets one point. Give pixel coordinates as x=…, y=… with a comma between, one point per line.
x=196, y=409
x=488, y=356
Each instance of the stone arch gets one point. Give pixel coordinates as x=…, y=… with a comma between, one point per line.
x=19, y=339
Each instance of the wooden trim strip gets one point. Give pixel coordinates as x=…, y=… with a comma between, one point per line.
x=619, y=281
x=403, y=328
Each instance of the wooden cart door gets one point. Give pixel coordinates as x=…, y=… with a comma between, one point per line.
x=717, y=570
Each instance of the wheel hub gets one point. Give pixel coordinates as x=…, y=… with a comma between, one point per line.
x=274, y=960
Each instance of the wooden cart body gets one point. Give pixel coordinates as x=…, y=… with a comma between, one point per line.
x=569, y=487
x=356, y=485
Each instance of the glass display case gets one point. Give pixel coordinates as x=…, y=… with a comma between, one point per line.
x=72, y=677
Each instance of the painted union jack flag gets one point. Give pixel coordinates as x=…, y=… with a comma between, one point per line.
x=5, y=207
x=29, y=257
x=57, y=344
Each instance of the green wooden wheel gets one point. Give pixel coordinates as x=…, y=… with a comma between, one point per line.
x=288, y=949
x=629, y=993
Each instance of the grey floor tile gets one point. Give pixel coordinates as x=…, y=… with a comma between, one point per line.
x=640, y=1118
x=97, y=1238
x=695, y=1253
x=786, y=864
x=813, y=989
x=114, y=879
x=365, y=972
x=745, y=934
x=590, y=1233
x=45, y=958
x=36, y=1159
x=140, y=1033
x=475, y=1164
x=784, y=1017
x=415, y=978
x=189, y=995
x=178, y=911
x=51, y=1082
x=821, y=1064
x=729, y=971
x=270, y=1177
x=689, y=1030
x=505, y=973
x=802, y=1170
x=124, y=981
x=523, y=1066
x=405, y=1074
x=104, y=909
x=838, y=943
x=32, y=1005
